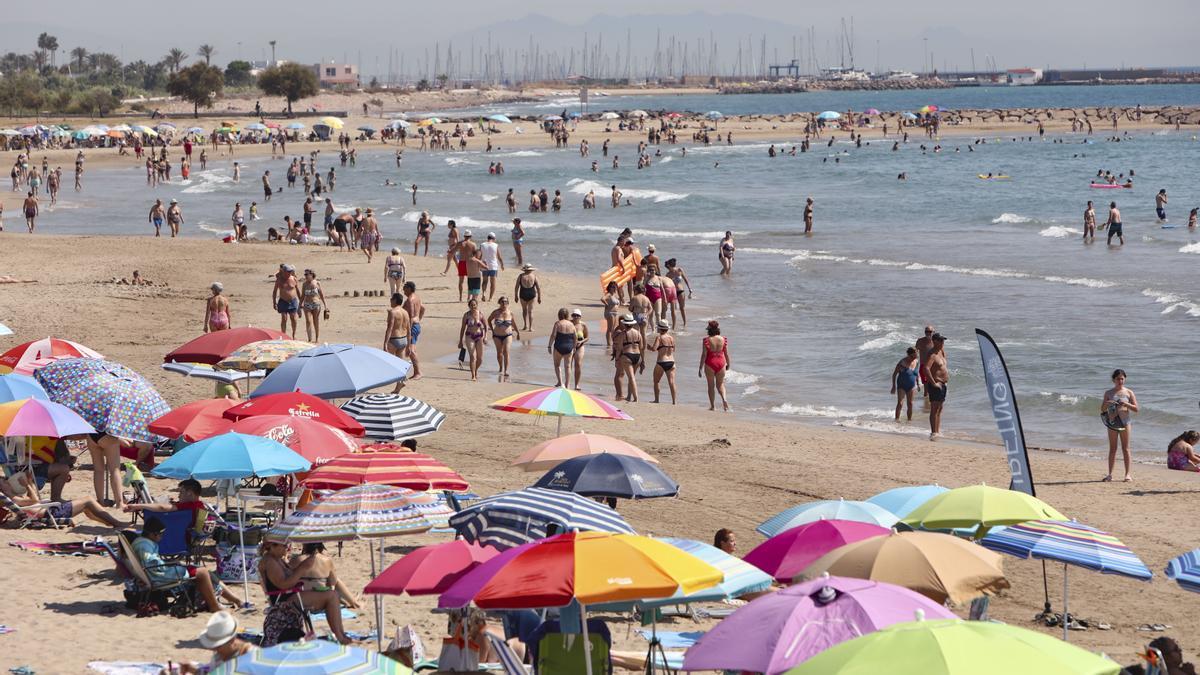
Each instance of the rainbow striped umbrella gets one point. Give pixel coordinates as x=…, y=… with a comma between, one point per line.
x=561, y=402
x=315, y=657
x=363, y=512
x=411, y=470
x=36, y=417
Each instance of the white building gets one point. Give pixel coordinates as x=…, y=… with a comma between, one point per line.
x=1024, y=76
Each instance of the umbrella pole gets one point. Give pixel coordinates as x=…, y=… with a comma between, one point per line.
x=378, y=606
x=1066, y=612
x=1045, y=589
x=559, y=431
x=242, y=552
x=587, y=651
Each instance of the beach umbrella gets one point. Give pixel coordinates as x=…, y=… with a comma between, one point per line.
x=606, y=475
x=510, y=519
x=81, y=135
x=783, y=629
x=1070, y=543
x=411, y=470
x=399, y=124
x=195, y=420
x=902, y=500
x=938, y=566
x=829, y=115
x=332, y=122
x=908, y=116
x=551, y=118
x=560, y=402
x=786, y=554
x=637, y=113
x=363, y=512
x=429, y=121
x=18, y=359
x=334, y=371
x=263, y=354
x=956, y=647
x=112, y=398
x=232, y=455
x=295, y=126
x=9, y=132
x=40, y=417
x=196, y=130
x=550, y=453
x=381, y=446
x=609, y=116
x=14, y=387
x=430, y=570
x=392, y=417
x=502, y=119
x=316, y=442
x=272, y=125
x=1185, y=570
x=297, y=404
x=713, y=115
x=740, y=579
x=980, y=506
x=367, y=128
x=827, y=509
x=312, y=657
x=929, y=109
x=121, y=128
x=165, y=125
x=871, y=111
x=255, y=126
x=207, y=372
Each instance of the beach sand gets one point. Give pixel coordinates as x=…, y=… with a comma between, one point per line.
x=735, y=470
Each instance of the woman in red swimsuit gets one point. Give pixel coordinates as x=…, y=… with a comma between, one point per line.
x=714, y=361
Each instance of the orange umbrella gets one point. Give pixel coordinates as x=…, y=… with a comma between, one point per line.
x=411, y=470
x=551, y=453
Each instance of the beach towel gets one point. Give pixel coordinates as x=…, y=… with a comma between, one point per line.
x=126, y=667
x=63, y=548
x=347, y=615
x=5, y=630
x=674, y=640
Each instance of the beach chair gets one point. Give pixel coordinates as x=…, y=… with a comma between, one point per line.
x=30, y=516
x=136, y=482
x=557, y=653
x=177, y=596
x=1154, y=662
x=504, y=654
x=175, y=541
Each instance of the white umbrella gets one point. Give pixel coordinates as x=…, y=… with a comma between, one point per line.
x=637, y=113
x=610, y=116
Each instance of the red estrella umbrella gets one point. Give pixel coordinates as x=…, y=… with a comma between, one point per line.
x=297, y=404
x=194, y=421
x=411, y=470
x=19, y=358
x=211, y=347
x=432, y=569
x=316, y=442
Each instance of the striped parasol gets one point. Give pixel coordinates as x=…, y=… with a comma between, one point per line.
x=312, y=657
x=1185, y=570
x=411, y=470
x=826, y=509
x=207, y=372
x=391, y=417
x=363, y=512
x=1067, y=542
x=560, y=402
x=263, y=354
x=513, y=518
x=20, y=358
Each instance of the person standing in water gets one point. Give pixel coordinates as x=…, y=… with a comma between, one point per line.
x=1115, y=410
x=937, y=378
x=471, y=335
x=157, y=215
x=1114, y=224
x=714, y=362
x=663, y=345
x=1089, y=222
x=527, y=289
x=725, y=254
x=808, y=216
x=904, y=381
x=503, y=326
x=518, y=240
x=561, y=346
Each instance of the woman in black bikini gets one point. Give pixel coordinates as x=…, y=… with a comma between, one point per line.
x=502, y=323
x=629, y=357
x=562, y=346
x=664, y=345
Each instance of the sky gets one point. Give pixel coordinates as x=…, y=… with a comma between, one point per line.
x=1015, y=33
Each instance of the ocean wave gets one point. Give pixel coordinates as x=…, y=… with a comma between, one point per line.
x=221, y=231
x=640, y=233
x=518, y=153
x=734, y=377
x=581, y=187
x=457, y=161
x=752, y=389
x=1080, y=281
x=1173, y=302
x=489, y=198
x=889, y=340
x=1190, y=248
x=469, y=222
x=1060, y=232
x=884, y=426
x=208, y=181
x=666, y=159
x=877, y=325
x=1011, y=218
x=829, y=411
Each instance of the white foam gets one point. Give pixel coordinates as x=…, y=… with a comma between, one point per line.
x=1190, y=248
x=475, y=223
x=518, y=153
x=1060, y=232
x=752, y=389
x=215, y=229
x=640, y=233
x=734, y=377
x=664, y=160
x=1011, y=218
x=876, y=325
x=889, y=340
x=457, y=161
x=1173, y=302
x=828, y=411
x=582, y=187
x=1081, y=281
x=489, y=198
x=208, y=181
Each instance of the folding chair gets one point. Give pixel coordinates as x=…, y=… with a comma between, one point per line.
x=37, y=515
x=504, y=654
x=178, y=596
x=175, y=537
x=558, y=653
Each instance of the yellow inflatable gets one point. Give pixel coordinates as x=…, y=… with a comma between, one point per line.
x=623, y=273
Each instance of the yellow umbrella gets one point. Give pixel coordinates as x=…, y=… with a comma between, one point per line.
x=979, y=506
x=938, y=566
x=430, y=121
x=332, y=122
x=263, y=354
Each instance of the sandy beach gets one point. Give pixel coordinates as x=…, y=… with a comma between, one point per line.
x=735, y=469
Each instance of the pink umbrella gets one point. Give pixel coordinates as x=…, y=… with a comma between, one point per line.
x=430, y=570
x=787, y=554
x=780, y=630
x=871, y=111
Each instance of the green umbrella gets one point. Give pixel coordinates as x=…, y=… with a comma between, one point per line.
x=979, y=506
x=955, y=647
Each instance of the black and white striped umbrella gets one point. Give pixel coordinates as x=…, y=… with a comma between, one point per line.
x=392, y=417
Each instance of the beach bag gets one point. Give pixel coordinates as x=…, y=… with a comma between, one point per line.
x=457, y=653
x=229, y=561
x=286, y=621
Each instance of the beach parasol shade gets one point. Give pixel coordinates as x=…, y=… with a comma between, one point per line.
x=399, y=124
x=903, y=500
x=908, y=116
x=367, y=128
x=609, y=116
x=783, y=629
x=255, y=126
x=502, y=119
x=363, y=512
x=295, y=126
x=980, y=506
x=560, y=401
x=297, y=404
x=713, y=115
x=411, y=470
x=430, y=570
x=1185, y=570
x=232, y=455
x=38, y=417
x=871, y=111
x=207, y=372
x=510, y=519
x=332, y=122
x=637, y=113
x=929, y=109
x=14, y=387
x=17, y=359
x=786, y=554
x=829, y=115
x=194, y=421
x=316, y=442
x=392, y=417
x=549, y=454
x=953, y=647
x=587, y=567
x=382, y=446
x=312, y=657
x=212, y=348
x=263, y=354
x=607, y=475
x=335, y=371
x=112, y=398
x=938, y=566
x=827, y=509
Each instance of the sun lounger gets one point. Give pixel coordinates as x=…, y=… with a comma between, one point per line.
x=30, y=516
x=508, y=660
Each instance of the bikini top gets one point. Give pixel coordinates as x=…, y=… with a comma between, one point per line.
x=502, y=323
x=310, y=292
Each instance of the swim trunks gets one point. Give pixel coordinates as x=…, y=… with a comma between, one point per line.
x=398, y=343
x=288, y=306
x=1162, y=213
x=462, y=268
x=937, y=393
x=489, y=273
x=415, y=331
x=473, y=285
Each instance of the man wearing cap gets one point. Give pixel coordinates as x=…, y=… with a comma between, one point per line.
x=174, y=217
x=285, y=297
x=493, y=262
x=937, y=376
x=924, y=346
x=220, y=635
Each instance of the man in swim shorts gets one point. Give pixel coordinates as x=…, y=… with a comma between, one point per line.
x=285, y=297
x=416, y=312
x=399, y=331
x=157, y=213
x=1114, y=224
x=937, y=374
x=1160, y=205
x=475, y=269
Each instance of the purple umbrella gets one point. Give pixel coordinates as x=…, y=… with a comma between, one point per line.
x=787, y=554
x=468, y=586
x=780, y=630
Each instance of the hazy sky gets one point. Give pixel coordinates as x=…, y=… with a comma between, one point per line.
x=1069, y=33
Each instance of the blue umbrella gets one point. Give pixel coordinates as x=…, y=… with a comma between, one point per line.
x=503, y=119
x=367, y=128
x=205, y=371
x=112, y=398
x=255, y=126
x=14, y=387
x=609, y=475
x=1185, y=570
x=312, y=657
x=902, y=500
x=713, y=115
x=513, y=518
x=399, y=124
x=295, y=125
x=232, y=455
x=908, y=116
x=195, y=130
x=829, y=509
x=829, y=115
x=335, y=371
x=740, y=578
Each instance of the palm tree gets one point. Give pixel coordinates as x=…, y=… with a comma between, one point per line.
x=175, y=58
x=48, y=43
x=79, y=54
x=207, y=52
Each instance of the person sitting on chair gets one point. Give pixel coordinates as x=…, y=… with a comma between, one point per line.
x=321, y=575
x=189, y=500
x=161, y=572
x=26, y=496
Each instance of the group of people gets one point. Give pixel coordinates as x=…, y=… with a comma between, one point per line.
x=923, y=364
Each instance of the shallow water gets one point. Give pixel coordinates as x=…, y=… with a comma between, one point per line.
x=816, y=324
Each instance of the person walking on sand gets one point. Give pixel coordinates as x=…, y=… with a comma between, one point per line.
x=937, y=378
x=904, y=381
x=216, y=310
x=677, y=276
x=285, y=297
x=471, y=334
x=1115, y=411
x=493, y=262
x=581, y=340
x=425, y=226
x=452, y=239
x=714, y=362
x=314, y=302
x=725, y=252
x=808, y=216
x=518, y=240
x=369, y=237
x=1089, y=222
x=1114, y=224
x=157, y=214
x=663, y=345
x=174, y=218
x=502, y=323
x=527, y=289
x=562, y=347
x=398, y=333
x=629, y=350
x=31, y=211
x=393, y=271
x=416, y=312
x=924, y=347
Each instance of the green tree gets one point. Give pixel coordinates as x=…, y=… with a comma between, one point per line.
x=291, y=81
x=79, y=54
x=21, y=92
x=175, y=58
x=198, y=84
x=207, y=52
x=48, y=43
x=237, y=74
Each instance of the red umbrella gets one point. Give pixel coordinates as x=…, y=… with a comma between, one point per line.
x=316, y=442
x=297, y=404
x=19, y=358
x=430, y=570
x=211, y=347
x=382, y=446
x=410, y=470
x=194, y=421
